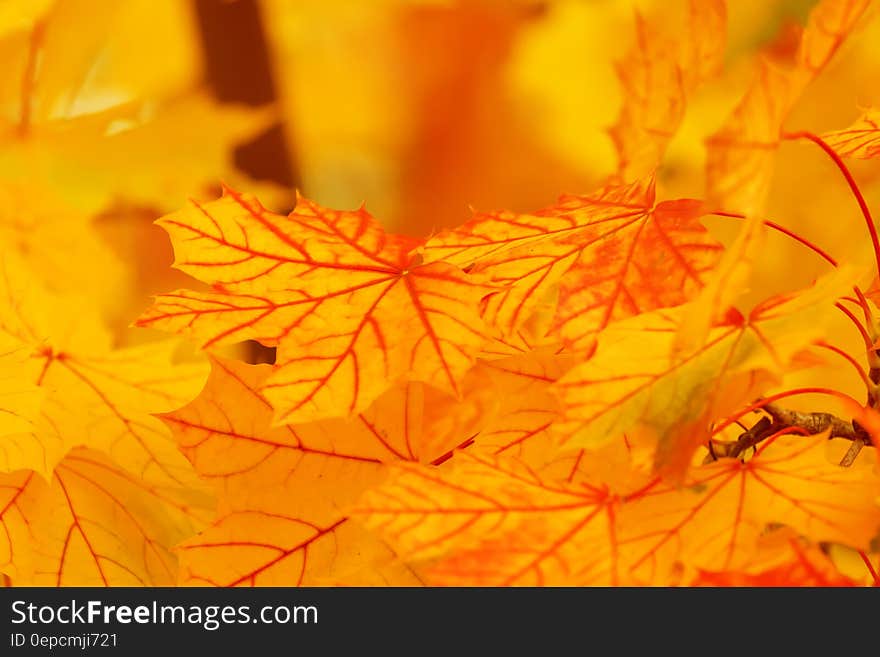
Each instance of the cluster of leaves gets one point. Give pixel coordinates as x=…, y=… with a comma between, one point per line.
x=92, y=488
x=580, y=395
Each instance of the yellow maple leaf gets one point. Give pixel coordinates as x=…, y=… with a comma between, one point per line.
x=637, y=383
x=59, y=533
x=742, y=153
x=493, y=521
x=860, y=140
x=349, y=308
x=784, y=559
x=658, y=74
x=613, y=254
x=284, y=490
x=713, y=521
x=496, y=522
x=93, y=395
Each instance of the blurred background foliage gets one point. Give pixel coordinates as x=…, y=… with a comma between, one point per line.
x=113, y=112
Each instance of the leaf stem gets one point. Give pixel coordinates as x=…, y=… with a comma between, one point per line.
x=766, y=442
x=866, y=310
x=785, y=231
x=869, y=337
x=870, y=568
x=869, y=344
x=761, y=403
x=852, y=361
x=838, y=161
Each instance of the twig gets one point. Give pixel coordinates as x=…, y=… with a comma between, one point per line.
x=783, y=418
x=850, y=457
x=814, y=422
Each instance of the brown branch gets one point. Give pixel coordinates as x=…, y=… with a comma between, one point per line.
x=784, y=418
x=814, y=422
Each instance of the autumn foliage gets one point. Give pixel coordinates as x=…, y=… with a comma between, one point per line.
x=609, y=390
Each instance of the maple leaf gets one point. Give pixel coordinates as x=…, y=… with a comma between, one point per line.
x=284, y=489
x=614, y=253
x=349, y=309
x=637, y=380
x=91, y=394
x=714, y=520
x=860, y=140
x=523, y=400
x=724, y=287
x=525, y=408
x=15, y=545
x=495, y=522
x=60, y=533
x=492, y=521
x=657, y=75
x=829, y=24
x=20, y=405
x=742, y=153
x=783, y=559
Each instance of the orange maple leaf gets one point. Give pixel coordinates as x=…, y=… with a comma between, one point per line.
x=613, y=254
x=657, y=75
x=496, y=522
x=784, y=559
x=519, y=422
x=16, y=556
x=638, y=383
x=828, y=26
x=284, y=489
x=741, y=155
x=349, y=308
x=860, y=140
x=544, y=398
x=60, y=533
x=90, y=394
x=714, y=520
x=493, y=521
